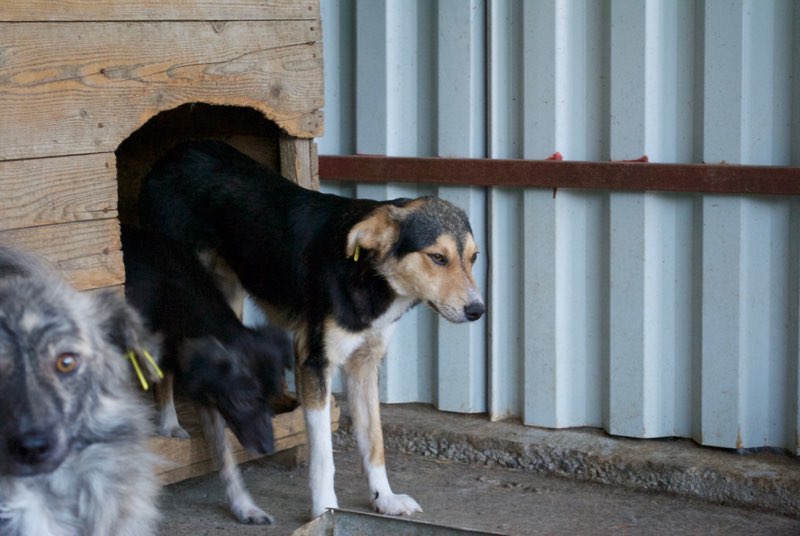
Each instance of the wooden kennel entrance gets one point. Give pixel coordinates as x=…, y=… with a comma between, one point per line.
x=92, y=91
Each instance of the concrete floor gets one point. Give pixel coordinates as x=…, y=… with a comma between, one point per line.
x=485, y=494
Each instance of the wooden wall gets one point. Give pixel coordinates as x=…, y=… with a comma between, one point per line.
x=78, y=77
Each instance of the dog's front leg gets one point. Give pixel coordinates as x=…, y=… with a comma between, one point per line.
x=168, y=418
x=364, y=404
x=321, y=468
x=239, y=500
x=313, y=380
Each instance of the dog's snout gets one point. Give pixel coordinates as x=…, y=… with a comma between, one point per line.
x=32, y=448
x=474, y=310
x=255, y=436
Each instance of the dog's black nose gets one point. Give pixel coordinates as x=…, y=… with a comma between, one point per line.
x=31, y=448
x=474, y=310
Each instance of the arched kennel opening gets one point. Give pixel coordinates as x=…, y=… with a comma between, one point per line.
x=244, y=128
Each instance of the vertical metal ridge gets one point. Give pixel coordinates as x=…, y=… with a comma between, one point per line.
x=505, y=88
x=506, y=304
x=792, y=437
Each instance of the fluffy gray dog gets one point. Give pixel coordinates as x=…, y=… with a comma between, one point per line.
x=73, y=433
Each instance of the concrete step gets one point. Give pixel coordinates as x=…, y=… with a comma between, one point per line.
x=765, y=480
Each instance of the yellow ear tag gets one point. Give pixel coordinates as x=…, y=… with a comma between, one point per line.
x=130, y=355
x=355, y=255
x=154, y=364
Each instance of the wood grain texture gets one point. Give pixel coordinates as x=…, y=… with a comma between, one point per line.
x=87, y=253
x=298, y=159
x=138, y=10
x=186, y=458
x=85, y=87
x=57, y=190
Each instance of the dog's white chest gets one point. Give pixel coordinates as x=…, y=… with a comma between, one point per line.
x=27, y=512
x=341, y=343
x=388, y=319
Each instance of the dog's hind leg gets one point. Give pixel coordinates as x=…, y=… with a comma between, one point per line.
x=364, y=404
x=168, y=418
x=239, y=500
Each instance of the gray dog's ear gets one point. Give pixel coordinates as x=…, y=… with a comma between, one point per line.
x=126, y=331
x=15, y=262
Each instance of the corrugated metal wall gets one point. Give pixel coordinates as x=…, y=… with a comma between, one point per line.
x=646, y=314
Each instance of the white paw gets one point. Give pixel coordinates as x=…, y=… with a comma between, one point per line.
x=252, y=515
x=173, y=431
x=395, y=505
x=321, y=505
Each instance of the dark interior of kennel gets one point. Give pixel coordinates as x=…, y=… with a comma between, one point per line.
x=244, y=128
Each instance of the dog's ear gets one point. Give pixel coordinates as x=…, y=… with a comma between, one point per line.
x=377, y=232
x=125, y=329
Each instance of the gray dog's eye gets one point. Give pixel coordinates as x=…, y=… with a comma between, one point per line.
x=67, y=362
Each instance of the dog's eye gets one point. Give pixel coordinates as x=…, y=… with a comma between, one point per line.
x=438, y=258
x=474, y=257
x=67, y=362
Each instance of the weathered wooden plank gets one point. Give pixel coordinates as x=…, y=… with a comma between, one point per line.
x=153, y=10
x=84, y=87
x=57, y=190
x=298, y=159
x=186, y=458
x=175, y=473
x=87, y=253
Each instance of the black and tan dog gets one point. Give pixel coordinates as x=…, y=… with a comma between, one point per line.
x=339, y=272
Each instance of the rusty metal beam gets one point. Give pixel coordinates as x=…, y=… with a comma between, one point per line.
x=630, y=176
